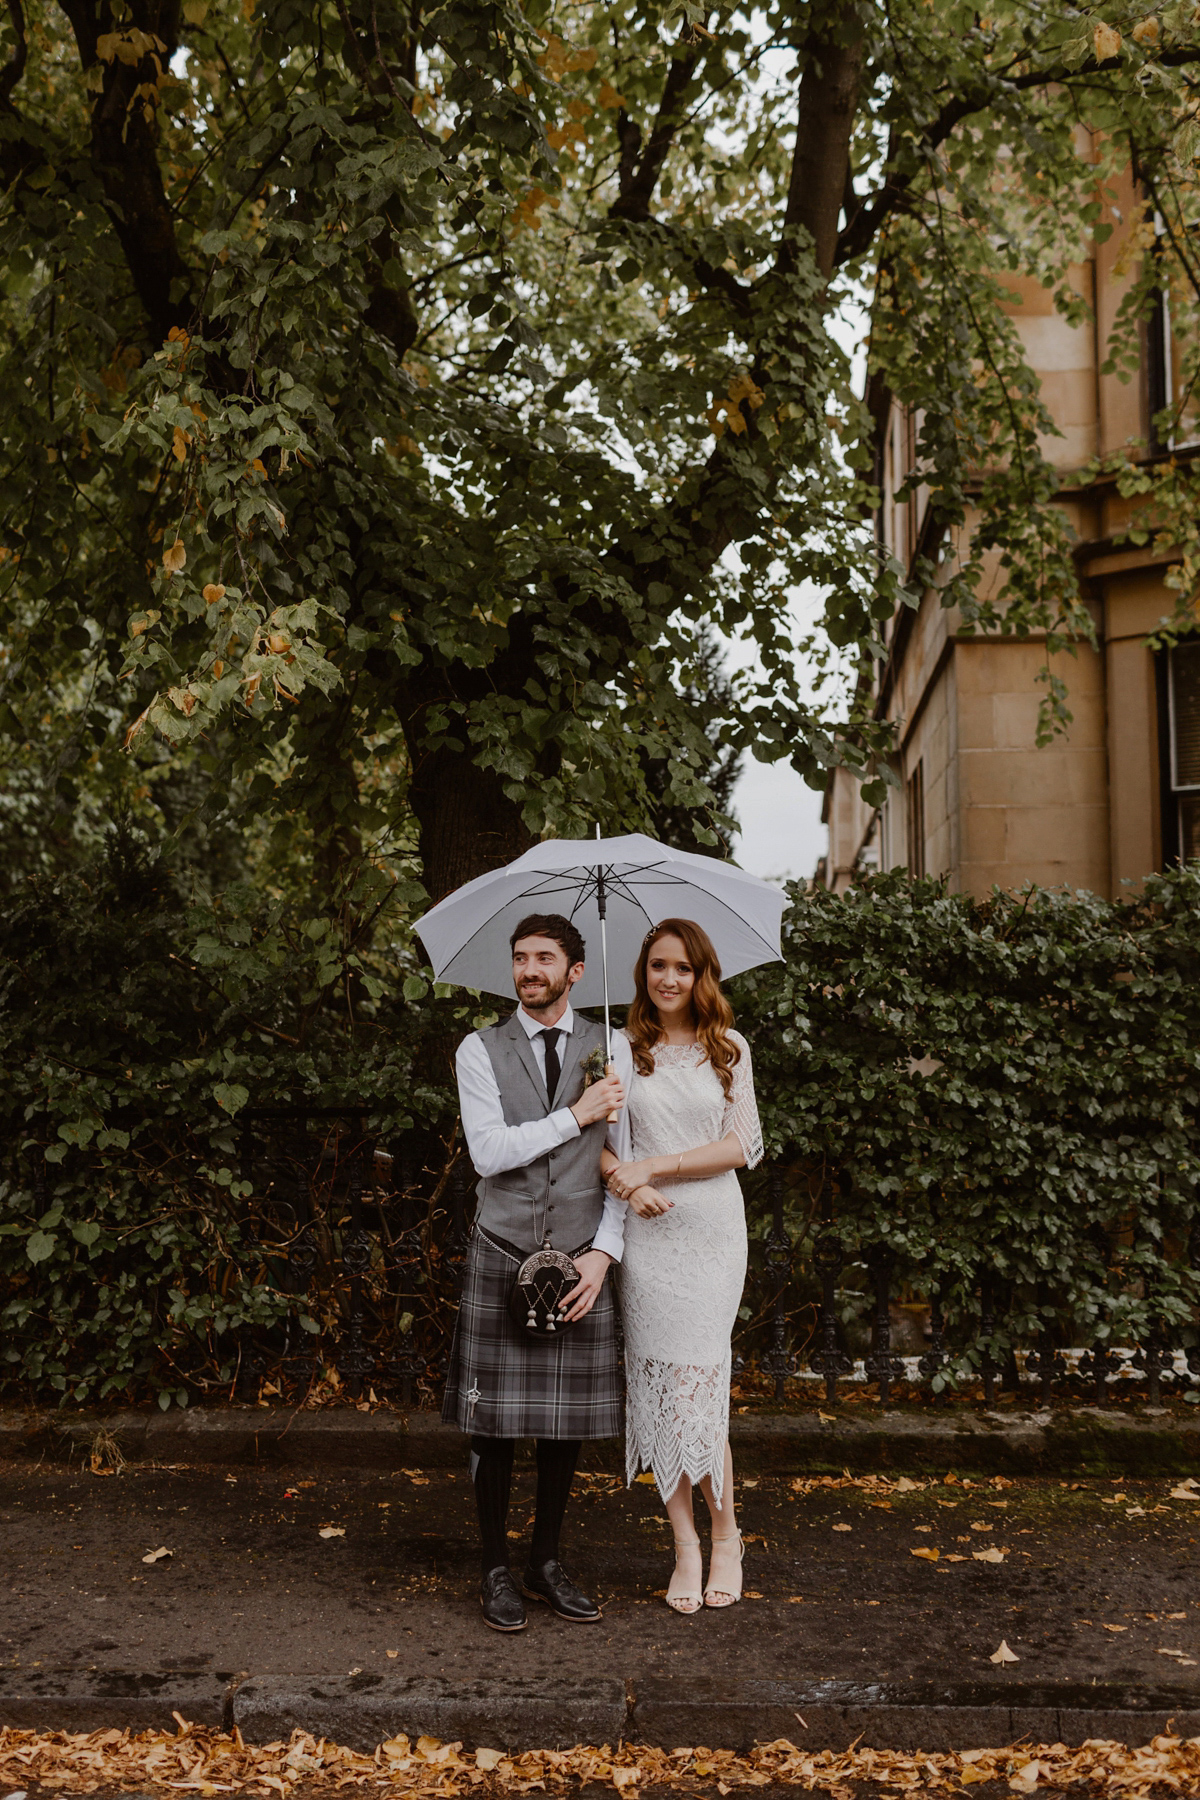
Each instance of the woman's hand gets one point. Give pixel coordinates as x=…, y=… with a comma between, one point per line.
x=648, y=1203
x=626, y=1177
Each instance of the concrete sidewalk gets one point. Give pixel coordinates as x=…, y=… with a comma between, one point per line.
x=258, y=1619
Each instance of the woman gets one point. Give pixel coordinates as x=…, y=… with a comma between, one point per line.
x=694, y=1121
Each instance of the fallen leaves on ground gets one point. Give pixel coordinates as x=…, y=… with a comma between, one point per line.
x=883, y=1487
x=332, y=1531
x=990, y=1555
x=153, y=1556
x=201, y=1760
x=1003, y=1654
x=924, y=1550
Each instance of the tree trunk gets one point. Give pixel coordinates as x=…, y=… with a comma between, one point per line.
x=825, y=112
x=468, y=824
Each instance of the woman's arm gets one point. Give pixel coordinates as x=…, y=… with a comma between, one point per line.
x=646, y=1201
x=698, y=1164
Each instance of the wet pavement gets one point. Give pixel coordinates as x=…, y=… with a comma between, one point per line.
x=1097, y=1581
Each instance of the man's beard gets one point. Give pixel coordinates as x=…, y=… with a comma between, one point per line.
x=545, y=992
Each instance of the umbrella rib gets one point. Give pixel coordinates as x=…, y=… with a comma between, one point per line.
x=538, y=891
x=559, y=880
x=669, y=880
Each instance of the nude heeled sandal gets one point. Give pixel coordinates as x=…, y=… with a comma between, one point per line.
x=683, y=1600
x=717, y=1597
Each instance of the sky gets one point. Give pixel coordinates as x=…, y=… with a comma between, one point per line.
x=782, y=834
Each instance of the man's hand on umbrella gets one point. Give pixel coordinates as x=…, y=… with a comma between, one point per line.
x=593, y=1267
x=597, y=1101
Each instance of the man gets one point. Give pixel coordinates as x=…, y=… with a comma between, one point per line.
x=535, y=1134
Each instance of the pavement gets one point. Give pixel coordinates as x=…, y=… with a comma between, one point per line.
x=344, y=1599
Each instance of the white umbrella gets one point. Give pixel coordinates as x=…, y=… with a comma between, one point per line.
x=611, y=888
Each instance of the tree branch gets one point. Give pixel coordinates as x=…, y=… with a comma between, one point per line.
x=859, y=231
x=825, y=109
x=14, y=68
x=124, y=154
x=638, y=175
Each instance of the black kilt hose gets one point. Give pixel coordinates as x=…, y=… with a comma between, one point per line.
x=502, y=1383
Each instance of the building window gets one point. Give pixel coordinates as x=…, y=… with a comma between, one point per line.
x=1183, y=698
x=914, y=796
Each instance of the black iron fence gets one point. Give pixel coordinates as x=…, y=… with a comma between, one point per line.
x=363, y=1242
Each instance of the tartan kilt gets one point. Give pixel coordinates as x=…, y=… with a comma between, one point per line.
x=502, y=1383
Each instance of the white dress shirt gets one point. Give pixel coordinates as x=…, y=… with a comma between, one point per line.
x=496, y=1146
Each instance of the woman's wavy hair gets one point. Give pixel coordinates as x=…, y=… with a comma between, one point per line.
x=712, y=1011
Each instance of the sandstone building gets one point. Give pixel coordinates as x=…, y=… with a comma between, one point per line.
x=1118, y=795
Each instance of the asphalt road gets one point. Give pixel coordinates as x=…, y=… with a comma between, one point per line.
x=1097, y=1581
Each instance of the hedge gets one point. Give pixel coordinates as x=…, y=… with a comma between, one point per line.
x=999, y=1089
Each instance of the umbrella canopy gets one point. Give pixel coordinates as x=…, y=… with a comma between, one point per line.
x=467, y=933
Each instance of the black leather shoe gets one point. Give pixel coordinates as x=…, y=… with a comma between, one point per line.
x=500, y=1597
x=550, y=1585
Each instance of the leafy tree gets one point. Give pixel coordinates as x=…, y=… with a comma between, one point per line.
x=390, y=392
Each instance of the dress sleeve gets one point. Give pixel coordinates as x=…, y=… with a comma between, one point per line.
x=741, y=1108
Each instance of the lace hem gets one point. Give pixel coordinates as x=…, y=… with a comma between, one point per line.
x=677, y=1422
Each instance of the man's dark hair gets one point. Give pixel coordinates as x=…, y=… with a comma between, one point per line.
x=559, y=930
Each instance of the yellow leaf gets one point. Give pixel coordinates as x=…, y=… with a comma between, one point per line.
x=179, y=443
x=1181, y=1492
x=1146, y=31
x=905, y=1486
x=952, y=1556
x=1003, y=1654
x=1026, y=1779
x=646, y=1480
x=841, y=1528
x=1106, y=41
x=278, y=643
x=608, y=96
x=927, y=1552
x=157, y=1555
x=488, y=1759
x=392, y=1653
x=183, y=700
x=827, y=1418
x=1114, y=1628
x=332, y=1531
x=213, y=593
x=127, y=46
x=427, y=1745
x=195, y=11
x=967, y=1775
x=174, y=557
x=990, y=1555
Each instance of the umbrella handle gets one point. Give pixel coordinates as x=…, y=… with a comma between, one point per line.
x=610, y=1068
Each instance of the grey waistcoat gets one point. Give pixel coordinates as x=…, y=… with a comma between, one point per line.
x=560, y=1193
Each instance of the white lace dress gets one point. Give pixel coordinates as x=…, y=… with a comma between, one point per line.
x=682, y=1274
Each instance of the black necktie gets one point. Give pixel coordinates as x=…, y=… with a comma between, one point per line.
x=553, y=1067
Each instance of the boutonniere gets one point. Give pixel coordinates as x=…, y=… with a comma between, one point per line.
x=594, y=1066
